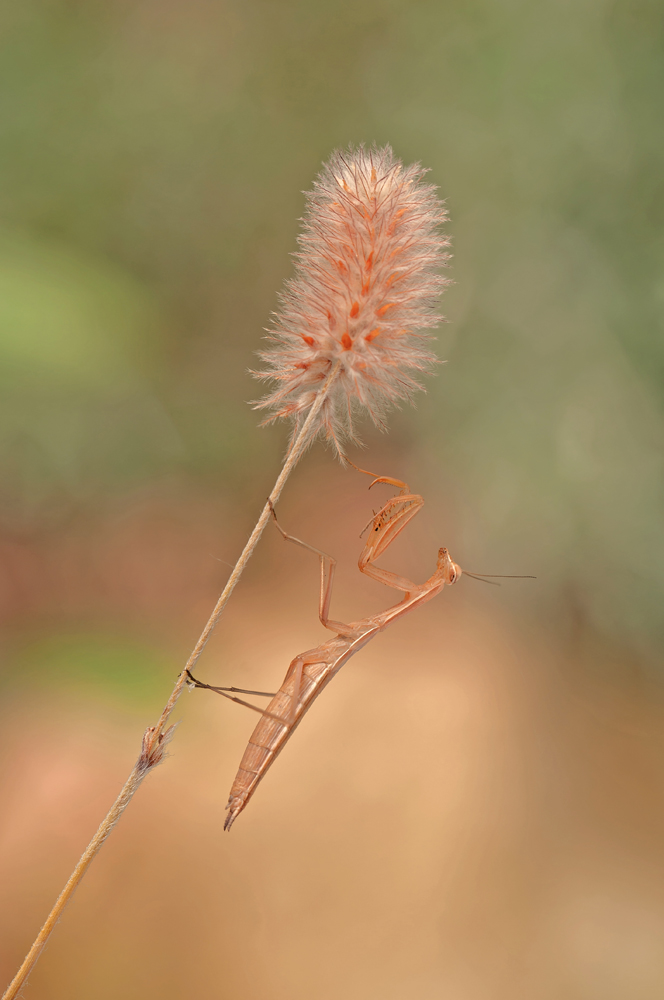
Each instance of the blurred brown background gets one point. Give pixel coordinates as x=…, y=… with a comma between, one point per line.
x=474, y=810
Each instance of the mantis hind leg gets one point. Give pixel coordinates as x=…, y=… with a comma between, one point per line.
x=224, y=692
x=295, y=670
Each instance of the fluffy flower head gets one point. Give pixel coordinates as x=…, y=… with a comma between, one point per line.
x=365, y=289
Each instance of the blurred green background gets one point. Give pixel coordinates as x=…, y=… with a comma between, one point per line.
x=151, y=170
x=152, y=161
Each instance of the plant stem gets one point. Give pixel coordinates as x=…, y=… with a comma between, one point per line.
x=299, y=446
x=156, y=737
x=144, y=764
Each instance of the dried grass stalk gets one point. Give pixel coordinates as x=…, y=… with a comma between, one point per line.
x=348, y=336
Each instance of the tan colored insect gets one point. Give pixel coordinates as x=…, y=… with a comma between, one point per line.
x=311, y=671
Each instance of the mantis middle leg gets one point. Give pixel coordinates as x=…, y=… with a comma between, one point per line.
x=327, y=568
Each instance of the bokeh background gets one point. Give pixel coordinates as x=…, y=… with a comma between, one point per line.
x=475, y=808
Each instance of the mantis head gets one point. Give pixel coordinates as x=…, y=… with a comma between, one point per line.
x=448, y=569
x=451, y=571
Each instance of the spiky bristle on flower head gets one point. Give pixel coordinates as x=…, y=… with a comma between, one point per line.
x=365, y=288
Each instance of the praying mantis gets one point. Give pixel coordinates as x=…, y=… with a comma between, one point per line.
x=310, y=672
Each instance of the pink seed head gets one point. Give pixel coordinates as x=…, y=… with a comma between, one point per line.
x=365, y=288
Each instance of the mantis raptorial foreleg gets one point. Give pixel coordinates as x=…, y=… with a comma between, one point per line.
x=385, y=527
